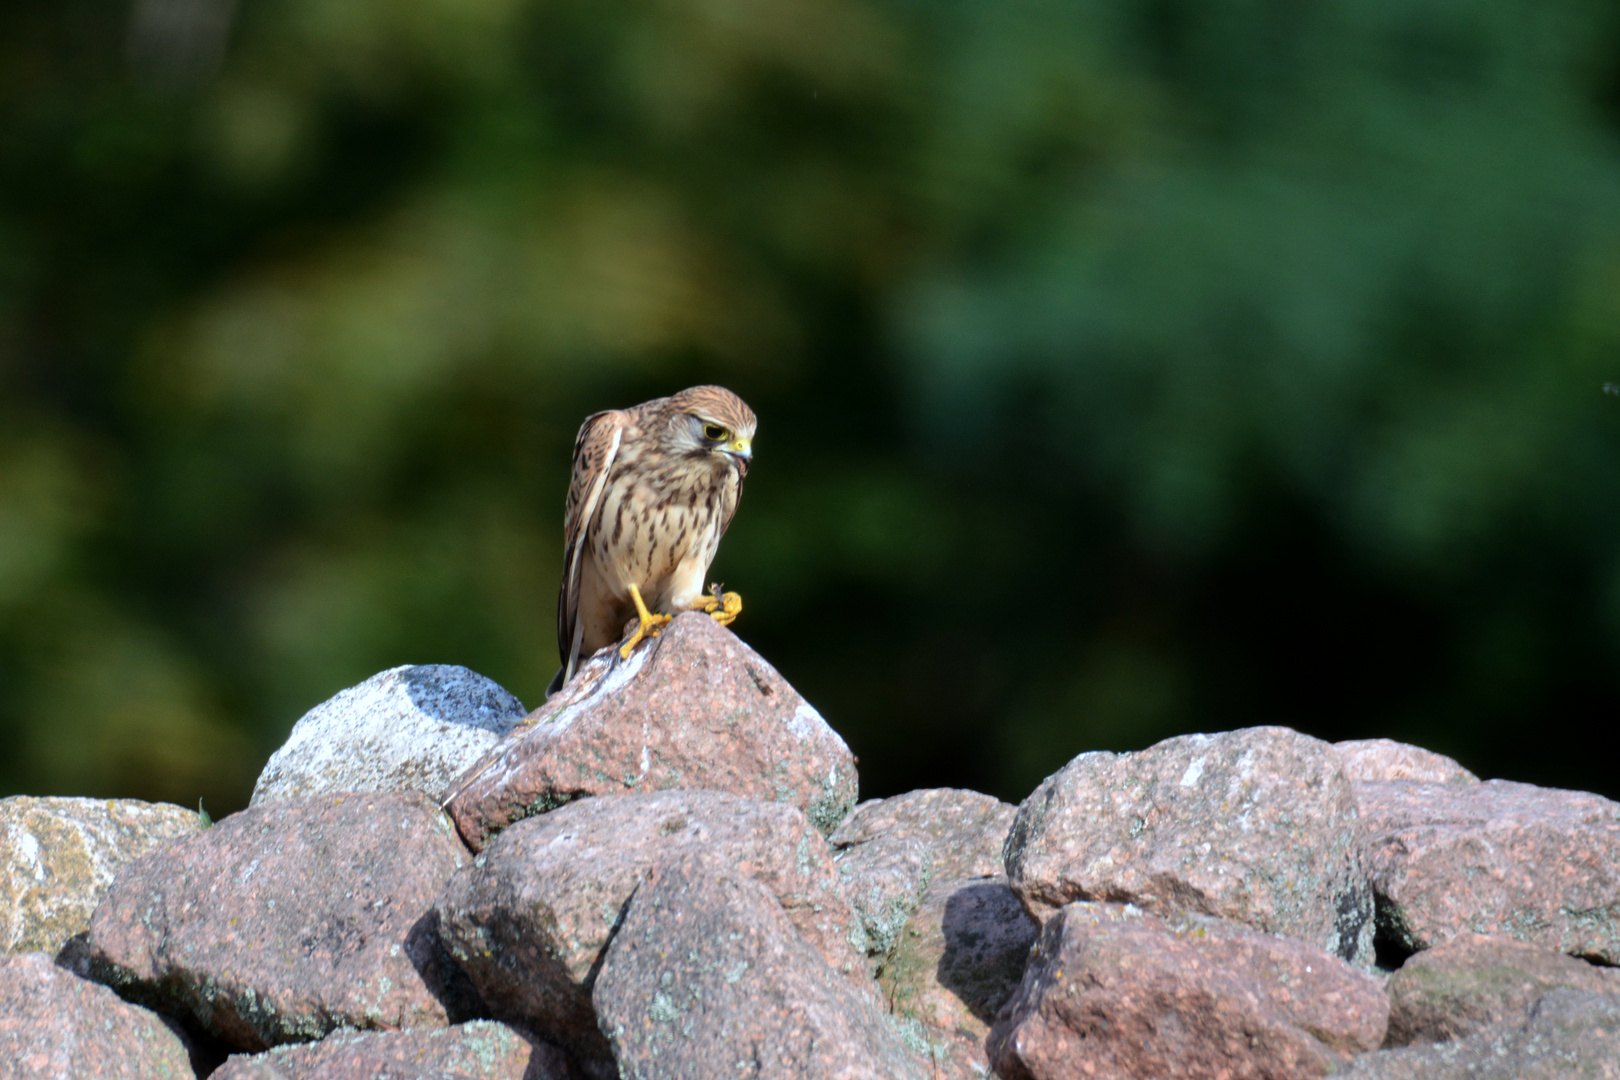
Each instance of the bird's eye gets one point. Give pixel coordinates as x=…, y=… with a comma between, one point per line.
x=715, y=432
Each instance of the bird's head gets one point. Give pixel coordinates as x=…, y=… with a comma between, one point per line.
x=711, y=420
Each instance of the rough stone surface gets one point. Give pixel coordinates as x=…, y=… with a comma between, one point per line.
x=890, y=849
x=1126, y=995
x=708, y=978
x=884, y=879
x=695, y=708
x=1386, y=759
x=1570, y=1034
x=55, y=1025
x=412, y=728
x=529, y=920
x=479, y=1050
x=1474, y=982
x=956, y=964
x=964, y=831
x=1259, y=826
x=58, y=857
x=288, y=920
x=1536, y=864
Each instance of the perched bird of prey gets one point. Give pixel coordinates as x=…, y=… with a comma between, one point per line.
x=653, y=490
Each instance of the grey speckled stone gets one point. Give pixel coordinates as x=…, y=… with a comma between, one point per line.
x=54, y=1025
x=480, y=1050
x=1570, y=1035
x=707, y=978
x=412, y=728
x=58, y=858
x=1259, y=826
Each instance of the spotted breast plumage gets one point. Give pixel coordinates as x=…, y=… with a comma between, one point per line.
x=654, y=488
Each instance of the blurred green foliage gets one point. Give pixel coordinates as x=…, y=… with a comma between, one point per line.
x=1123, y=368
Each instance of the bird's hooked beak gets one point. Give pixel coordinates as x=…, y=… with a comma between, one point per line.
x=741, y=451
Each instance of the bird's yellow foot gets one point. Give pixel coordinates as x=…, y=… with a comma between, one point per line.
x=650, y=624
x=721, y=607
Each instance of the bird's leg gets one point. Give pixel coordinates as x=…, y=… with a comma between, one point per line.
x=721, y=607
x=650, y=624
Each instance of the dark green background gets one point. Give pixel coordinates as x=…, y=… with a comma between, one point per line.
x=1123, y=369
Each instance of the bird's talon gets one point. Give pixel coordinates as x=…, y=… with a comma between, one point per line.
x=723, y=607
x=649, y=626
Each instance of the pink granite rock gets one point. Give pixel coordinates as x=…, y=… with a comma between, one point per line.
x=1116, y=994
x=957, y=962
x=1535, y=864
x=694, y=708
x=1570, y=1034
x=286, y=921
x=479, y=1050
x=1258, y=826
x=55, y=1025
x=58, y=857
x=1386, y=759
x=708, y=978
x=1474, y=982
x=528, y=921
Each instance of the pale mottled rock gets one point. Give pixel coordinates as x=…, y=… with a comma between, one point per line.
x=1386, y=759
x=1117, y=994
x=957, y=962
x=1258, y=826
x=529, y=920
x=1474, y=982
x=708, y=978
x=1570, y=1035
x=55, y=1025
x=289, y=920
x=411, y=728
x=58, y=857
x=693, y=708
x=478, y=1050
x=1531, y=863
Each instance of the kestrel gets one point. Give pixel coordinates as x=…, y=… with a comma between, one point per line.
x=653, y=490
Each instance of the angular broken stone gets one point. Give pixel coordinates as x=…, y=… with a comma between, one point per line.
x=1531, y=863
x=411, y=728
x=1474, y=982
x=693, y=708
x=1570, y=1034
x=55, y=1025
x=1258, y=826
x=528, y=921
x=289, y=920
x=1129, y=995
x=707, y=977
x=478, y=1050
x=1386, y=759
x=58, y=857
x=957, y=962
